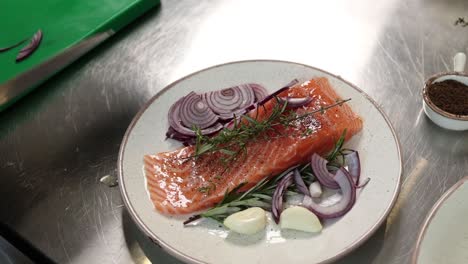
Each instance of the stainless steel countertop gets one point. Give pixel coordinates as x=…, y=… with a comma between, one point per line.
x=57, y=143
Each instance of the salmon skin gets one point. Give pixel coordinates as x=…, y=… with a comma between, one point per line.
x=180, y=185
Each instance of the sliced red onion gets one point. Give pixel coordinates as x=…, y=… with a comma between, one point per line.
x=231, y=115
x=248, y=96
x=259, y=91
x=277, y=200
x=31, y=47
x=176, y=124
x=300, y=183
x=365, y=182
x=212, y=129
x=174, y=120
x=174, y=134
x=354, y=165
x=295, y=102
x=228, y=101
x=266, y=99
x=319, y=167
x=186, y=140
x=194, y=112
x=348, y=190
x=233, y=102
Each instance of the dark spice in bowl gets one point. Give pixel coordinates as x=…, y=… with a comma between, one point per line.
x=450, y=96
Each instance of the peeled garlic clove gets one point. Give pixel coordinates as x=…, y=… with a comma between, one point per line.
x=248, y=221
x=315, y=189
x=299, y=218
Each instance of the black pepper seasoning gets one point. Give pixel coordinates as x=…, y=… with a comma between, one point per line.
x=450, y=96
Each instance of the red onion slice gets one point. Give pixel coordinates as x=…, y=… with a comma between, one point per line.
x=186, y=140
x=365, y=182
x=231, y=115
x=194, y=112
x=174, y=119
x=235, y=101
x=228, y=101
x=354, y=165
x=223, y=101
x=184, y=133
x=248, y=96
x=348, y=190
x=266, y=99
x=300, y=184
x=31, y=47
x=277, y=199
x=259, y=91
x=174, y=134
x=295, y=102
x=319, y=167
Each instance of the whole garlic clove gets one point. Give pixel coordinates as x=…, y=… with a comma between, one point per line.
x=248, y=221
x=299, y=218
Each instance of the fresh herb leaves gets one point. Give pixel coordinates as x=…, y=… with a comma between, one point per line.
x=260, y=195
x=257, y=196
x=233, y=141
x=338, y=147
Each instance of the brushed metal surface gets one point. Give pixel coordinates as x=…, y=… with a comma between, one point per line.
x=57, y=143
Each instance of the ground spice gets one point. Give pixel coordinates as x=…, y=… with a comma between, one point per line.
x=450, y=96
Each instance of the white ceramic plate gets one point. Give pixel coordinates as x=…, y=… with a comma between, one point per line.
x=209, y=243
x=444, y=235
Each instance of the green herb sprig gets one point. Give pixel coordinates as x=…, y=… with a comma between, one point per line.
x=233, y=201
x=261, y=194
x=233, y=141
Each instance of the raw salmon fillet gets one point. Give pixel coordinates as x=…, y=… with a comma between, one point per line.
x=175, y=184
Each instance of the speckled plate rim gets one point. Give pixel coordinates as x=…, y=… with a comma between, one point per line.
x=432, y=214
x=183, y=257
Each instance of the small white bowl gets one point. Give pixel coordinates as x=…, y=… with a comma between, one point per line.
x=440, y=117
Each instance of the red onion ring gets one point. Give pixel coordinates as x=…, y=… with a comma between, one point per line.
x=181, y=118
x=295, y=102
x=227, y=101
x=194, y=112
x=348, y=190
x=31, y=47
x=365, y=182
x=277, y=199
x=186, y=140
x=289, y=85
x=354, y=165
x=300, y=184
x=176, y=124
x=259, y=91
x=231, y=115
x=319, y=167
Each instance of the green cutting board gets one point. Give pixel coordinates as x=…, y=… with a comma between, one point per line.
x=70, y=28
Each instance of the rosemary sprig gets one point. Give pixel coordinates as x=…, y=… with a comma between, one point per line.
x=260, y=195
x=233, y=141
x=338, y=147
